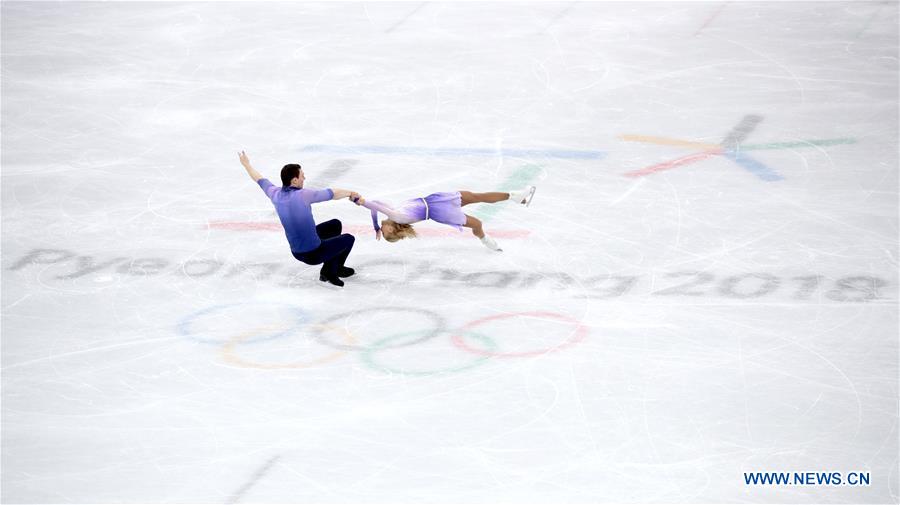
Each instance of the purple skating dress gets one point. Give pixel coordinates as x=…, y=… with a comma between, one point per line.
x=445, y=208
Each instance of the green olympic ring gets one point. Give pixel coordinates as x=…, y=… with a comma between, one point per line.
x=368, y=356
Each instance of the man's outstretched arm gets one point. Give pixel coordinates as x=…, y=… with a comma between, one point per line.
x=250, y=170
x=343, y=193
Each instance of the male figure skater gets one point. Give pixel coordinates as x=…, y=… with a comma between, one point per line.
x=310, y=243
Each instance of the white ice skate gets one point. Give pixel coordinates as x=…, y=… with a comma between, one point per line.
x=523, y=196
x=490, y=243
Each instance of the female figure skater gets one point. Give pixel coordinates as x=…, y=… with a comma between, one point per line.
x=445, y=208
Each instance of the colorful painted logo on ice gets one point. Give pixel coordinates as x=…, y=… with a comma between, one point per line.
x=731, y=147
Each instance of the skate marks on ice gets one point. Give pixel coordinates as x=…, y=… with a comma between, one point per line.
x=336, y=170
x=500, y=152
x=254, y=479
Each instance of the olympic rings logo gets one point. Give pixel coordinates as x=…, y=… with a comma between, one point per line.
x=333, y=332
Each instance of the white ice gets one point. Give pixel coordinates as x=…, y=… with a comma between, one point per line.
x=642, y=338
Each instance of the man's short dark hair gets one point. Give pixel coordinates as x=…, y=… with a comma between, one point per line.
x=288, y=172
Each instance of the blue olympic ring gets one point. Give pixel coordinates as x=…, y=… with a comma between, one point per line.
x=185, y=326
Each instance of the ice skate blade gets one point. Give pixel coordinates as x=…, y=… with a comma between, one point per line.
x=530, y=196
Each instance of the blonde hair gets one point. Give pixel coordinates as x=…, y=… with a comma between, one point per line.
x=401, y=232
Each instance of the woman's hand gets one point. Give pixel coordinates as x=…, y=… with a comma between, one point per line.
x=378, y=235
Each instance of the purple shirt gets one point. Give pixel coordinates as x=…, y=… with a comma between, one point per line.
x=293, y=206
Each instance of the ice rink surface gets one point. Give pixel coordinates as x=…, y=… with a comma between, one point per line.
x=704, y=285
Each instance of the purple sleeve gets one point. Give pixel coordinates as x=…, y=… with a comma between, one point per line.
x=376, y=206
x=318, y=195
x=375, y=220
x=268, y=188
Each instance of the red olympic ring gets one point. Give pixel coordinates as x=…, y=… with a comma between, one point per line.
x=578, y=335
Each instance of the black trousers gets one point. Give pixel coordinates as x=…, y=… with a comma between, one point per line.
x=333, y=250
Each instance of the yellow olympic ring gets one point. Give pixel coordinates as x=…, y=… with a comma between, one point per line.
x=229, y=356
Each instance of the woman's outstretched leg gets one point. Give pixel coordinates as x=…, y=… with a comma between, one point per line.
x=493, y=197
x=478, y=230
x=523, y=196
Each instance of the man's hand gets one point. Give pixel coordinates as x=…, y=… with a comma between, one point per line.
x=354, y=197
x=244, y=159
x=246, y=162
